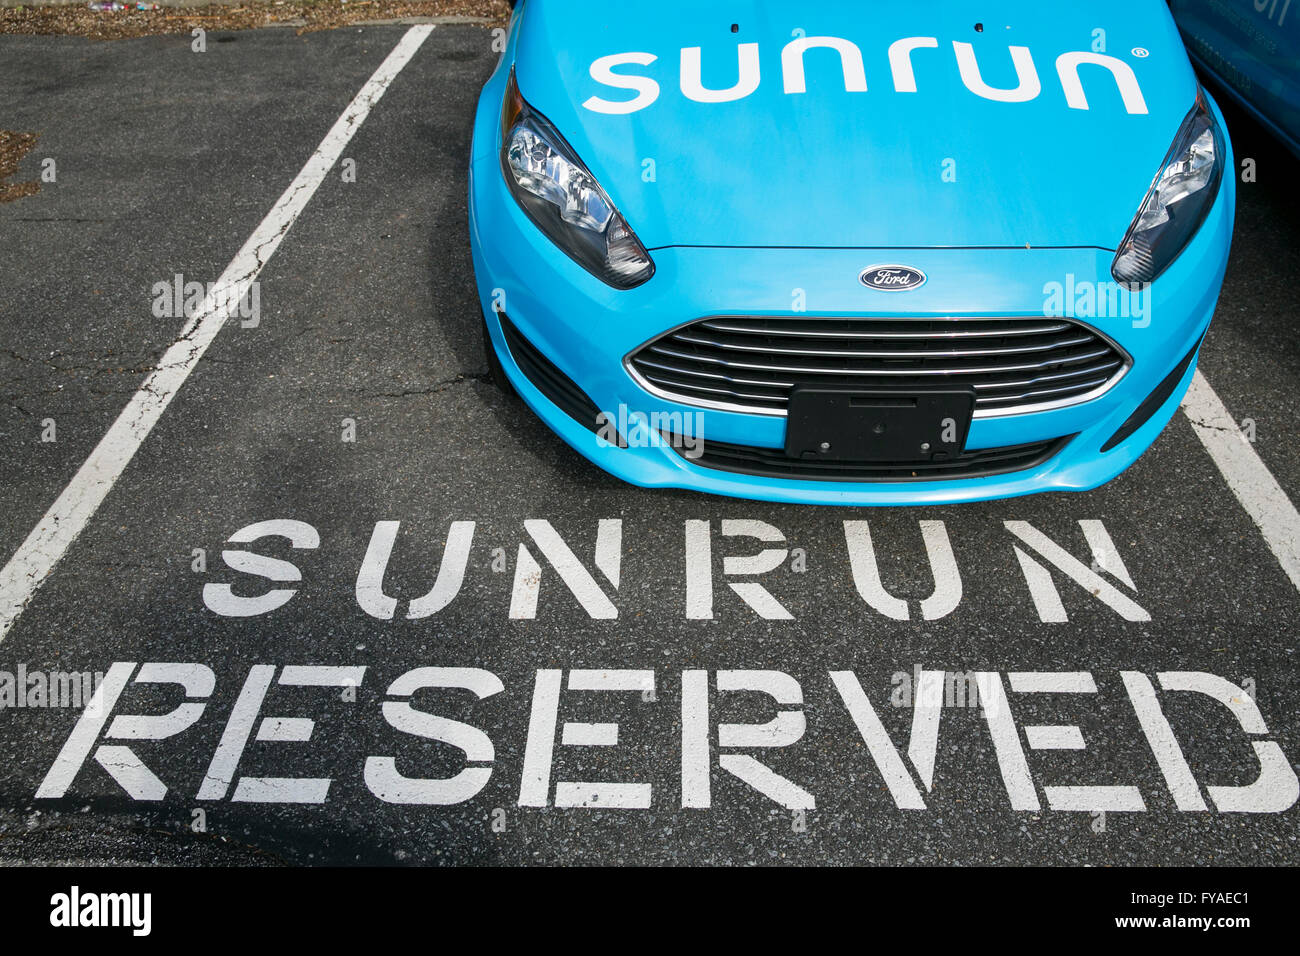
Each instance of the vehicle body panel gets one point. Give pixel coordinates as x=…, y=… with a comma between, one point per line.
x=794, y=169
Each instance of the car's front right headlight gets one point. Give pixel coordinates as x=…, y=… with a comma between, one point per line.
x=1177, y=202
x=561, y=196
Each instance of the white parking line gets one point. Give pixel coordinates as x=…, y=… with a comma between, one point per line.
x=28, y=569
x=1247, y=476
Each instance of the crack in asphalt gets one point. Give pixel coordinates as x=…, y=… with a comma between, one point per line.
x=433, y=389
x=1233, y=429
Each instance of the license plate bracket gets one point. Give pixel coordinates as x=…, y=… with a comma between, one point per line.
x=828, y=423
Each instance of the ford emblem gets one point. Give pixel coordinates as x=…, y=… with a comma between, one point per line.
x=892, y=278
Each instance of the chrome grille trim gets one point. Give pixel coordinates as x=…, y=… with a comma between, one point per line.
x=857, y=353
x=745, y=364
x=722, y=325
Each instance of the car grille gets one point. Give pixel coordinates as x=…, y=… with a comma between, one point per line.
x=751, y=364
x=773, y=463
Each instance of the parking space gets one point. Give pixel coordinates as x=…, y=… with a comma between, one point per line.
x=613, y=681
x=164, y=162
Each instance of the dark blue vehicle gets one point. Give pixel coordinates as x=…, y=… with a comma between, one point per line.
x=1252, y=49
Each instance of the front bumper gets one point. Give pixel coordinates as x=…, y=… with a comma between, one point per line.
x=587, y=329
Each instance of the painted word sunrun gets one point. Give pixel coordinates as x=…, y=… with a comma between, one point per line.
x=750, y=549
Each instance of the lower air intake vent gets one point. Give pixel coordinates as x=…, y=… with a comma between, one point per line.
x=549, y=380
x=773, y=463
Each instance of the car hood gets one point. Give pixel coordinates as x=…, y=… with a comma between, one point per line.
x=881, y=167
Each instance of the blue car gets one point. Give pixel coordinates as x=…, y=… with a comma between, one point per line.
x=847, y=252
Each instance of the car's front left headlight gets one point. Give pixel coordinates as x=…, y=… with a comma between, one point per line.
x=561, y=196
x=1177, y=202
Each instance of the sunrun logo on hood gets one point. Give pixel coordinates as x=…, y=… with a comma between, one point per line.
x=1028, y=85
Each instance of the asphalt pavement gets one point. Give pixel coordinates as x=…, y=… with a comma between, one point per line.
x=360, y=398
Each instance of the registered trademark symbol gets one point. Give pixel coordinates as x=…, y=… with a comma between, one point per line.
x=1141, y=52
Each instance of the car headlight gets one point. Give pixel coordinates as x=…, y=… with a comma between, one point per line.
x=1178, y=201
x=561, y=196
